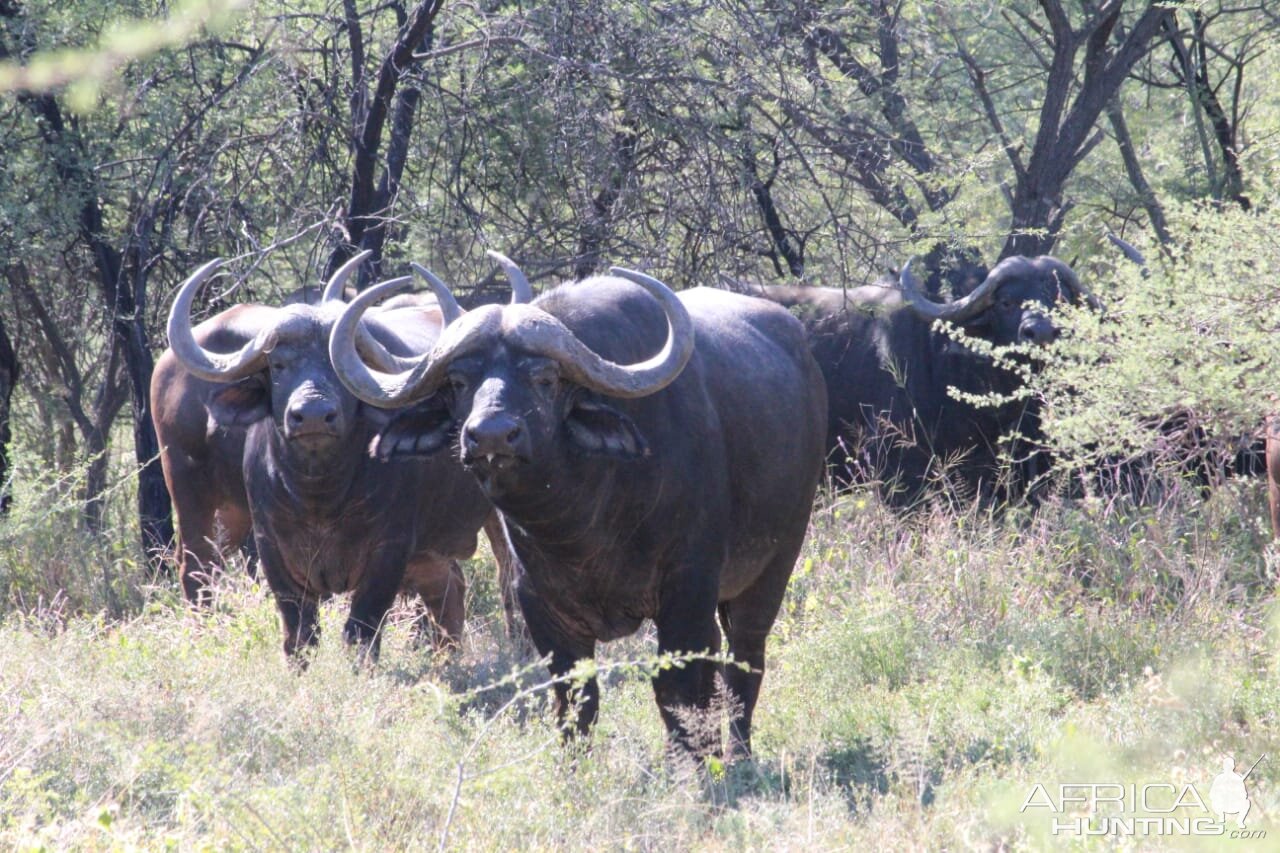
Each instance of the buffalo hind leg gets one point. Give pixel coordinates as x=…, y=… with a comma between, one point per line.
x=441, y=586
x=747, y=621
x=203, y=543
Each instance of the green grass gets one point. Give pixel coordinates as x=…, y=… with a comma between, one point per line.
x=924, y=676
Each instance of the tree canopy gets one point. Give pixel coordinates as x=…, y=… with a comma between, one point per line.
x=804, y=141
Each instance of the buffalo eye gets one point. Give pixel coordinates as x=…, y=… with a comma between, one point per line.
x=457, y=382
x=545, y=381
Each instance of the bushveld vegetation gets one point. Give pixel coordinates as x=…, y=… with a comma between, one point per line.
x=927, y=671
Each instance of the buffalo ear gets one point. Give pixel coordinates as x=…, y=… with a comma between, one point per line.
x=598, y=428
x=239, y=405
x=418, y=431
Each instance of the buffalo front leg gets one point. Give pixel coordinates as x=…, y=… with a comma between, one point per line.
x=565, y=653
x=687, y=627
x=297, y=606
x=370, y=602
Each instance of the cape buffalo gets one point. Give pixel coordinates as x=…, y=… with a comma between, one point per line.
x=653, y=456
x=890, y=370
x=258, y=434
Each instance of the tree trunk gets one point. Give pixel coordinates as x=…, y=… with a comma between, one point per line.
x=124, y=298
x=595, y=231
x=1138, y=178
x=372, y=196
x=1066, y=132
x=8, y=380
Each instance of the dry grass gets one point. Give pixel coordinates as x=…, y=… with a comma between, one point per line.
x=925, y=675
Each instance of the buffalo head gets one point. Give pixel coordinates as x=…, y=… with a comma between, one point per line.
x=1011, y=306
x=279, y=367
x=517, y=387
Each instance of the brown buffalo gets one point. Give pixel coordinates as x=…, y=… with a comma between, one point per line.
x=259, y=436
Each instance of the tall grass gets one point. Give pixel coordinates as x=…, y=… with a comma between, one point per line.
x=924, y=674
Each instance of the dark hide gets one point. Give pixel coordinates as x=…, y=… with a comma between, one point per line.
x=285, y=453
x=676, y=507
x=951, y=272
x=1179, y=449
x=892, y=420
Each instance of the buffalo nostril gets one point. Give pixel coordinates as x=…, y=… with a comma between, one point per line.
x=496, y=434
x=1039, y=332
x=311, y=414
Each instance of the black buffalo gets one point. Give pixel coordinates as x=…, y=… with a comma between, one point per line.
x=258, y=434
x=892, y=374
x=653, y=456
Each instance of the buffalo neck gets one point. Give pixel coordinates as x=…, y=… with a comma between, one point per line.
x=579, y=509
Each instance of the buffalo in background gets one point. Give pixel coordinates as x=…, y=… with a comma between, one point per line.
x=890, y=371
x=653, y=456
x=259, y=436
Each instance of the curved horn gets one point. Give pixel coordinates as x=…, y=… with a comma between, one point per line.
x=521, y=292
x=587, y=368
x=338, y=281
x=953, y=312
x=215, y=367
x=529, y=328
x=1126, y=248
x=418, y=377
x=372, y=349
x=449, y=306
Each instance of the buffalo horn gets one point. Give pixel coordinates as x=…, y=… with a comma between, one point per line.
x=215, y=367
x=376, y=386
x=544, y=334
x=958, y=311
x=529, y=328
x=338, y=281
x=521, y=292
x=449, y=307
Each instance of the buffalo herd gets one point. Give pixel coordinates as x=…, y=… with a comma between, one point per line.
x=631, y=453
